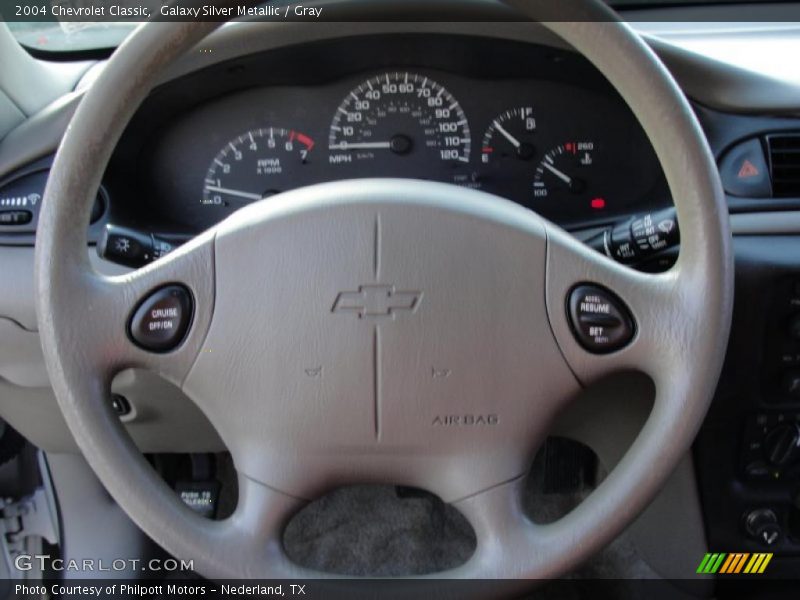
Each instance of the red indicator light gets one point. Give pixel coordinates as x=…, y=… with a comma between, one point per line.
x=487, y=150
x=598, y=203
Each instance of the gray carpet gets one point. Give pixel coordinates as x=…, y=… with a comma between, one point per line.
x=373, y=530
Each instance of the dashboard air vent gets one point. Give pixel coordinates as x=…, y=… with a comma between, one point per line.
x=784, y=162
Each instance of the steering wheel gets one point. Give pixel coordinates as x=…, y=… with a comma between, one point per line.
x=384, y=330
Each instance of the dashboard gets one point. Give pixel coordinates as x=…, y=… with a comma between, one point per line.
x=556, y=139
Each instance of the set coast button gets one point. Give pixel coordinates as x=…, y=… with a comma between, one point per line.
x=600, y=320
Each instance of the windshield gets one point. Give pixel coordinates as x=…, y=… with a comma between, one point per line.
x=46, y=34
x=56, y=36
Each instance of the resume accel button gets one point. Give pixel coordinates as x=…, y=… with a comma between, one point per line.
x=600, y=320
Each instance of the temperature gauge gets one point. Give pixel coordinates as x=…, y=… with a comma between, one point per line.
x=566, y=169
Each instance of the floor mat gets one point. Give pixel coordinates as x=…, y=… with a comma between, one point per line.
x=374, y=530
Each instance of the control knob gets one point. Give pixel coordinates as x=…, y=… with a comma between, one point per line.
x=761, y=524
x=782, y=444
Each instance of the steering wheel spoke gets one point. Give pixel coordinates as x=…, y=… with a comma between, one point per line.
x=503, y=532
x=254, y=532
x=657, y=309
x=153, y=318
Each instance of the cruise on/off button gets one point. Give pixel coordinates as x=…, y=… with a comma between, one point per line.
x=162, y=319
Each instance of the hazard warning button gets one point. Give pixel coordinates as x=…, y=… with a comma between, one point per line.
x=744, y=171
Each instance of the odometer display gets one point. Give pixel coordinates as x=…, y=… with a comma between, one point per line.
x=407, y=115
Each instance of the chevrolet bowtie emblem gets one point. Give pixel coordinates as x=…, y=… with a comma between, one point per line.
x=376, y=301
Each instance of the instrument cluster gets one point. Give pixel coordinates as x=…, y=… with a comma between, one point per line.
x=575, y=155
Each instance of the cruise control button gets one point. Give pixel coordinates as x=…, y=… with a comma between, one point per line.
x=600, y=321
x=161, y=321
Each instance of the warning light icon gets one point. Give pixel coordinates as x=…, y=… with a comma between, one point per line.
x=747, y=170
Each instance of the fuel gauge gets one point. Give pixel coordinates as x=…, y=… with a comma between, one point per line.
x=510, y=136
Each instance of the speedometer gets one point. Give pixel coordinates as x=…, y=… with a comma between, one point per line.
x=401, y=114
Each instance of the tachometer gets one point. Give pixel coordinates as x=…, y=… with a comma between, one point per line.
x=401, y=114
x=256, y=164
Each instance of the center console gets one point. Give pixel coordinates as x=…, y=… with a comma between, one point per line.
x=748, y=451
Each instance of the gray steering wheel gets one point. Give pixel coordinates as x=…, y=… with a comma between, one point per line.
x=370, y=286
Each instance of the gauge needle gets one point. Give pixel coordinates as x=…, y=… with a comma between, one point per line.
x=514, y=141
x=230, y=192
x=565, y=178
x=360, y=145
